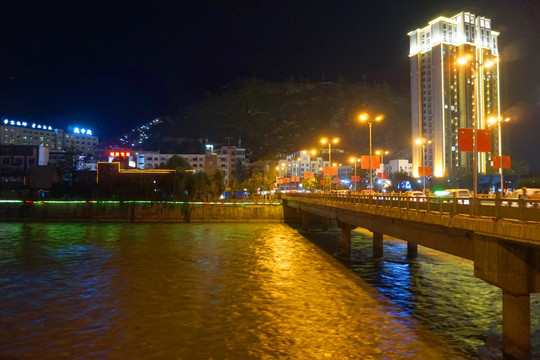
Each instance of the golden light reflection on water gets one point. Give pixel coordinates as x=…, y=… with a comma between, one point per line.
x=194, y=291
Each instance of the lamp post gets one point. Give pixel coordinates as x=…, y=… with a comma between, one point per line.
x=499, y=120
x=477, y=66
x=353, y=161
x=422, y=142
x=381, y=153
x=370, y=120
x=335, y=141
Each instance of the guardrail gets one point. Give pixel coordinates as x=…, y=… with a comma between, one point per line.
x=496, y=208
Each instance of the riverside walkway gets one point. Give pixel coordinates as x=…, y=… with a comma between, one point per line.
x=501, y=237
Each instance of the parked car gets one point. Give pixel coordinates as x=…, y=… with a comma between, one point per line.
x=459, y=193
x=414, y=193
x=534, y=193
x=462, y=195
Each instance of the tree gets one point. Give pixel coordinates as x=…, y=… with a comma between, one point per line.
x=531, y=182
x=400, y=179
x=217, y=186
x=176, y=163
x=69, y=167
x=309, y=184
x=240, y=172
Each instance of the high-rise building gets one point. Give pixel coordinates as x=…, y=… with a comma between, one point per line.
x=22, y=133
x=454, y=69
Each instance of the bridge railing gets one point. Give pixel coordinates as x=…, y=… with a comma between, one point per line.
x=496, y=208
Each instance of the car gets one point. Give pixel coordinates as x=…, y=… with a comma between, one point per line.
x=459, y=193
x=534, y=193
x=414, y=193
x=462, y=194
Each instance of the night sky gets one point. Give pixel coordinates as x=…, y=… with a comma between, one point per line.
x=111, y=65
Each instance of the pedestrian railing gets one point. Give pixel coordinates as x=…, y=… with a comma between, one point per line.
x=496, y=208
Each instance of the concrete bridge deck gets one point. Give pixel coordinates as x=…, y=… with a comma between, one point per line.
x=501, y=237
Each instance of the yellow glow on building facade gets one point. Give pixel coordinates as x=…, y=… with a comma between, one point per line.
x=443, y=93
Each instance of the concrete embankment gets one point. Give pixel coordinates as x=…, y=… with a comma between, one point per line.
x=141, y=211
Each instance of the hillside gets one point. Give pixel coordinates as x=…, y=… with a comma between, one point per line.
x=272, y=119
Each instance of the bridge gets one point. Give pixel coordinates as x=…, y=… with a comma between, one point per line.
x=501, y=237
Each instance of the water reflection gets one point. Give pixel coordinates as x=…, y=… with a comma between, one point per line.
x=438, y=289
x=200, y=291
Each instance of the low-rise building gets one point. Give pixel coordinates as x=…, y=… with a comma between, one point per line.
x=399, y=165
x=224, y=159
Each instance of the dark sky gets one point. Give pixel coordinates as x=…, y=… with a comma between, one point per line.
x=110, y=65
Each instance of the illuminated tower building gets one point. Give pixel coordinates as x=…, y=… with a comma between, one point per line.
x=446, y=94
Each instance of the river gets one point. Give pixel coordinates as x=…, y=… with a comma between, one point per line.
x=232, y=291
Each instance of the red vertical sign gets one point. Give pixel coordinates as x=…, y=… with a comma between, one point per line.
x=424, y=169
x=483, y=142
x=506, y=162
x=465, y=139
x=375, y=162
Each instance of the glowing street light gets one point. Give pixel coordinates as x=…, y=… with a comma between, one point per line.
x=498, y=121
x=370, y=120
x=335, y=141
x=381, y=153
x=423, y=143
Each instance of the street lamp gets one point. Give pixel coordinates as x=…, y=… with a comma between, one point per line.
x=381, y=153
x=335, y=141
x=423, y=142
x=499, y=120
x=370, y=120
x=476, y=67
x=353, y=161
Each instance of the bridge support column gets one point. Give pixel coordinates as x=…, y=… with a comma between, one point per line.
x=377, y=245
x=305, y=220
x=516, y=326
x=324, y=223
x=346, y=239
x=412, y=250
x=516, y=270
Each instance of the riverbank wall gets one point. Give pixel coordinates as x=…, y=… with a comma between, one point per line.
x=141, y=211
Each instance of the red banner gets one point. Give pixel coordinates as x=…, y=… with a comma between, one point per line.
x=279, y=181
x=375, y=162
x=334, y=171
x=286, y=180
x=295, y=179
x=427, y=170
x=506, y=162
x=382, y=176
x=355, y=178
x=483, y=142
x=337, y=180
x=323, y=182
x=465, y=139
x=309, y=175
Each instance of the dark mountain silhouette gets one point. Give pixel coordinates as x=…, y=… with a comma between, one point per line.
x=274, y=119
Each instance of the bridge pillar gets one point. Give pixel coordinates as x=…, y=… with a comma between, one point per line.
x=377, y=245
x=345, y=239
x=516, y=326
x=516, y=270
x=412, y=250
x=305, y=220
x=324, y=223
